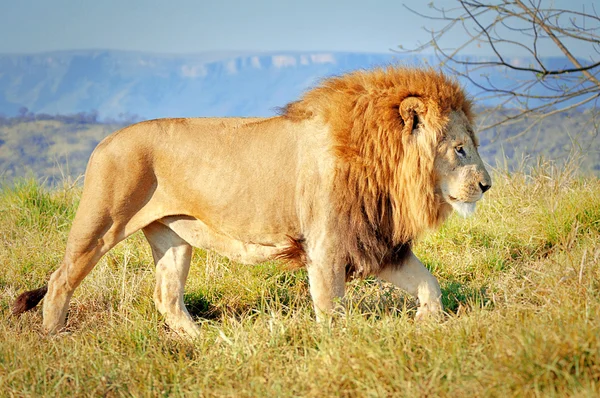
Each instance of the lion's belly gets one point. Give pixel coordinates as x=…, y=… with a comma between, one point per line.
x=198, y=234
x=246, y=207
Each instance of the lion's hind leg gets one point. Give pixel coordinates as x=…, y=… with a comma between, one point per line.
x=87, y=243
x=172, y=256
x=94, y=232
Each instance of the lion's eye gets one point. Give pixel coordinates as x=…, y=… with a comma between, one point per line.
x=460, y=151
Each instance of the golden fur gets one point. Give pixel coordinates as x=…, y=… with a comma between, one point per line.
x=343, y=181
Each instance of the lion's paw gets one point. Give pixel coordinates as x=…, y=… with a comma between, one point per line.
x=429, y=311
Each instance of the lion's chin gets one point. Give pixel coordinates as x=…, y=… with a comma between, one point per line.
x=465, y=209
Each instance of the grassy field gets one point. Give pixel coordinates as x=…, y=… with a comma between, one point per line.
x=520, y=281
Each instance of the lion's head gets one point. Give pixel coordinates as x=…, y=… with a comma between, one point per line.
x=462, y=177
x=407, y=155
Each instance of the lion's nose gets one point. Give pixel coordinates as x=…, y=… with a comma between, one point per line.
x=484, y=188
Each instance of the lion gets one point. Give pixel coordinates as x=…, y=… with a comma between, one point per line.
x=341, y=182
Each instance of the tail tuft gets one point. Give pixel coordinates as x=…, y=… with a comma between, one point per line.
x=28, y=300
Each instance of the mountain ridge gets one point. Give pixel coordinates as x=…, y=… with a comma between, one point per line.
x=153, y=85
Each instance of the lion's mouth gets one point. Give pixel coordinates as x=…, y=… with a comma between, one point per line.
x=463, y=208
x=452, y=199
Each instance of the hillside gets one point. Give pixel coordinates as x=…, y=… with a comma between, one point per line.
x=49, y=149
x=556, y=137
x=52, y=148
x=520, y=284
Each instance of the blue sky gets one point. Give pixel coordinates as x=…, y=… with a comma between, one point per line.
x=186, y=26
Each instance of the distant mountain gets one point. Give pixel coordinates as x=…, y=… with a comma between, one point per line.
x=149, y=85
x=114, y=83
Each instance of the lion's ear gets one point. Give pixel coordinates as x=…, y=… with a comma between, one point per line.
x=412, y=110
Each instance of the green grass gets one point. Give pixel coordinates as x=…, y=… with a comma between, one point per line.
x=520, y=282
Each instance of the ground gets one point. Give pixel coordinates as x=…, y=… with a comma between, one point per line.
x=520, y=284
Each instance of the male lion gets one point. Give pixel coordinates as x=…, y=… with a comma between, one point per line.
x=342, y=181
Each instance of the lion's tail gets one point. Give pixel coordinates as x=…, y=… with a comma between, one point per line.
x=28, y=300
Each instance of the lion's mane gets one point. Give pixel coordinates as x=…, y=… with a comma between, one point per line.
x=384, y=186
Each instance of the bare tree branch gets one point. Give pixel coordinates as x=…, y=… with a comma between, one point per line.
x=559, y=44
x=540, y=88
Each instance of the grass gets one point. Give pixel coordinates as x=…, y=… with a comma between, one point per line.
x=520, y=281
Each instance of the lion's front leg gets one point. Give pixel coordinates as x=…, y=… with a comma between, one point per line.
x=327, y=285
x=327, y=279
x=412, y=276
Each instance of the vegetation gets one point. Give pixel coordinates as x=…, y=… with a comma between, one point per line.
x=555, y=137
x=520, y=281
x=57, y=147
x=52, y=147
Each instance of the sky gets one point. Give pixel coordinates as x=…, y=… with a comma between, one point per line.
x=187, y=26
